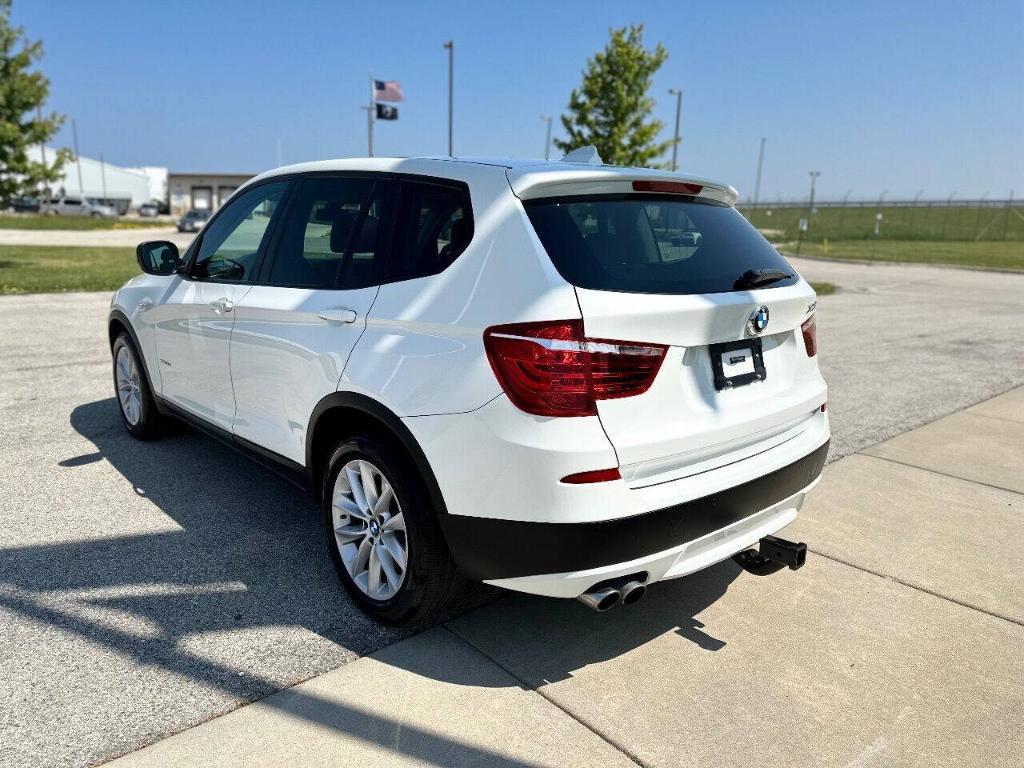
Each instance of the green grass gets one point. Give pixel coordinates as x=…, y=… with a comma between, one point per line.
x=823, y=289
x=30, y=221
x=929, y=224
x=46, y=269
x=993, y=255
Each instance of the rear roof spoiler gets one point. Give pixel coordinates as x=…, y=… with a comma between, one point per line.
x=555, y=180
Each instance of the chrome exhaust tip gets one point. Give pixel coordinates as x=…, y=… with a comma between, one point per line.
x=602, y=599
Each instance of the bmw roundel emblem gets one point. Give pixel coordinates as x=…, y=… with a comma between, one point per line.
x=757, y=321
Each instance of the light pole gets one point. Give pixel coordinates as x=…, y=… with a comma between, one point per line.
x=810, y=212
x=450, y=46
x=675, y=144
x=547, y=137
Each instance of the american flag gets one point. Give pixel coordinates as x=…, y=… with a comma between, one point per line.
x=387, y=90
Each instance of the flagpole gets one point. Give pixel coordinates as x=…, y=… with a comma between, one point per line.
x=450, y=45
x=369, y=119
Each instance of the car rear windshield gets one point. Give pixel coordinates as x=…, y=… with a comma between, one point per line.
x=655, y=244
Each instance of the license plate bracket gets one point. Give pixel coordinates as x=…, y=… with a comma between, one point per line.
x=737, y=363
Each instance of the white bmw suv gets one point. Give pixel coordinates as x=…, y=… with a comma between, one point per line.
x=564, y=378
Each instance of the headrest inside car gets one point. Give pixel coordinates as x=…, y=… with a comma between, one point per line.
x=341, y=228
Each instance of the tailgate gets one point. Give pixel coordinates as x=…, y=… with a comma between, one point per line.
x=738, y=378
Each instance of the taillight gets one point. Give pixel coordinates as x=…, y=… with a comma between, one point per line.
x=552, y=369
x=810, y=332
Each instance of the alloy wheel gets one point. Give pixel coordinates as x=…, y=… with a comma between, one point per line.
x=129, y=387
x=369, y=529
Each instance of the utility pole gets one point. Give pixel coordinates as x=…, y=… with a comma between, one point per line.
x=760, y=163
x=78, y=157
x=678, y=93
x=450, y=46
x=810, y=212
x=547, y=138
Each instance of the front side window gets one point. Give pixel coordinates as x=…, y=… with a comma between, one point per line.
x=334, y=234
x=640, y=244
x=230, y=248
x=434, y=227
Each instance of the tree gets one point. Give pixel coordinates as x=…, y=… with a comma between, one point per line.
x=22, y=123
x=611, y=110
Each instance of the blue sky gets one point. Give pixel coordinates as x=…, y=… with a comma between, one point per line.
x=875, y=95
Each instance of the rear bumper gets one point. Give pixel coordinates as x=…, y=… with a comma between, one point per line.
x=559, y=557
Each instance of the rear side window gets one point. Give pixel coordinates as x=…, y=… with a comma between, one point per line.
x=434, y=226
x=649, y=244
x=332, y=235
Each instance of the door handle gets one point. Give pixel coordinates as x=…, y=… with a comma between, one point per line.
x=222, y=305
x=339, y=316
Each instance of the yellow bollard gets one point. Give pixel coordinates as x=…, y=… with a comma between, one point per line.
x=825, y=244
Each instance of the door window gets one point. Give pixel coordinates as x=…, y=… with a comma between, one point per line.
x=435, y=226
x=230, y=247
x=334, y=234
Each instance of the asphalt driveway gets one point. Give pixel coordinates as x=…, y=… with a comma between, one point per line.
x=147, y=588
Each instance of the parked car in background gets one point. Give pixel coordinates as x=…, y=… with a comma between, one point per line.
x=149, y=210
x=25, y=205
x=567, y=379
x=193, y=220
x=76, y=205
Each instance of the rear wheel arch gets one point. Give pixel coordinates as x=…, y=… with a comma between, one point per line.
x=341, y=415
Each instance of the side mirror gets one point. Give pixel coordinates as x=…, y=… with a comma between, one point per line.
x=158, y=257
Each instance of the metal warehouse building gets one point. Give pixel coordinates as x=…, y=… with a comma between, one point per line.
x=122, y=188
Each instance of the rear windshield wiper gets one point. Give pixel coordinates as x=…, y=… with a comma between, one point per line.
x=758, y=278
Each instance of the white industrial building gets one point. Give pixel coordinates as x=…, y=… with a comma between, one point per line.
x=122, y=188
x=128, y=188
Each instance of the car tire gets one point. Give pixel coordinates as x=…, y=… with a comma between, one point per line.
x=428, y=583
x=135, y=401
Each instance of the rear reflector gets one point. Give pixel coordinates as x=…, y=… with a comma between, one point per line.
x=552, y=369
x=594, y=476
x=810, y=332
x=673, y=187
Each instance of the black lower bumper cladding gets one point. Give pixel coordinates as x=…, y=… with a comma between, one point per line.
x=487, y=548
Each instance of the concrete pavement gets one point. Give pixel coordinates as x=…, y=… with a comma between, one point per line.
x=147, y=589
x=901, y=643
x=903, y=345
x=128, y=237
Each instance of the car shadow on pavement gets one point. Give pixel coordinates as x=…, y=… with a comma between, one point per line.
x=248, y=553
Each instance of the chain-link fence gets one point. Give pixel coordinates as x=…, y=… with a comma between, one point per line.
x=968, y=220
